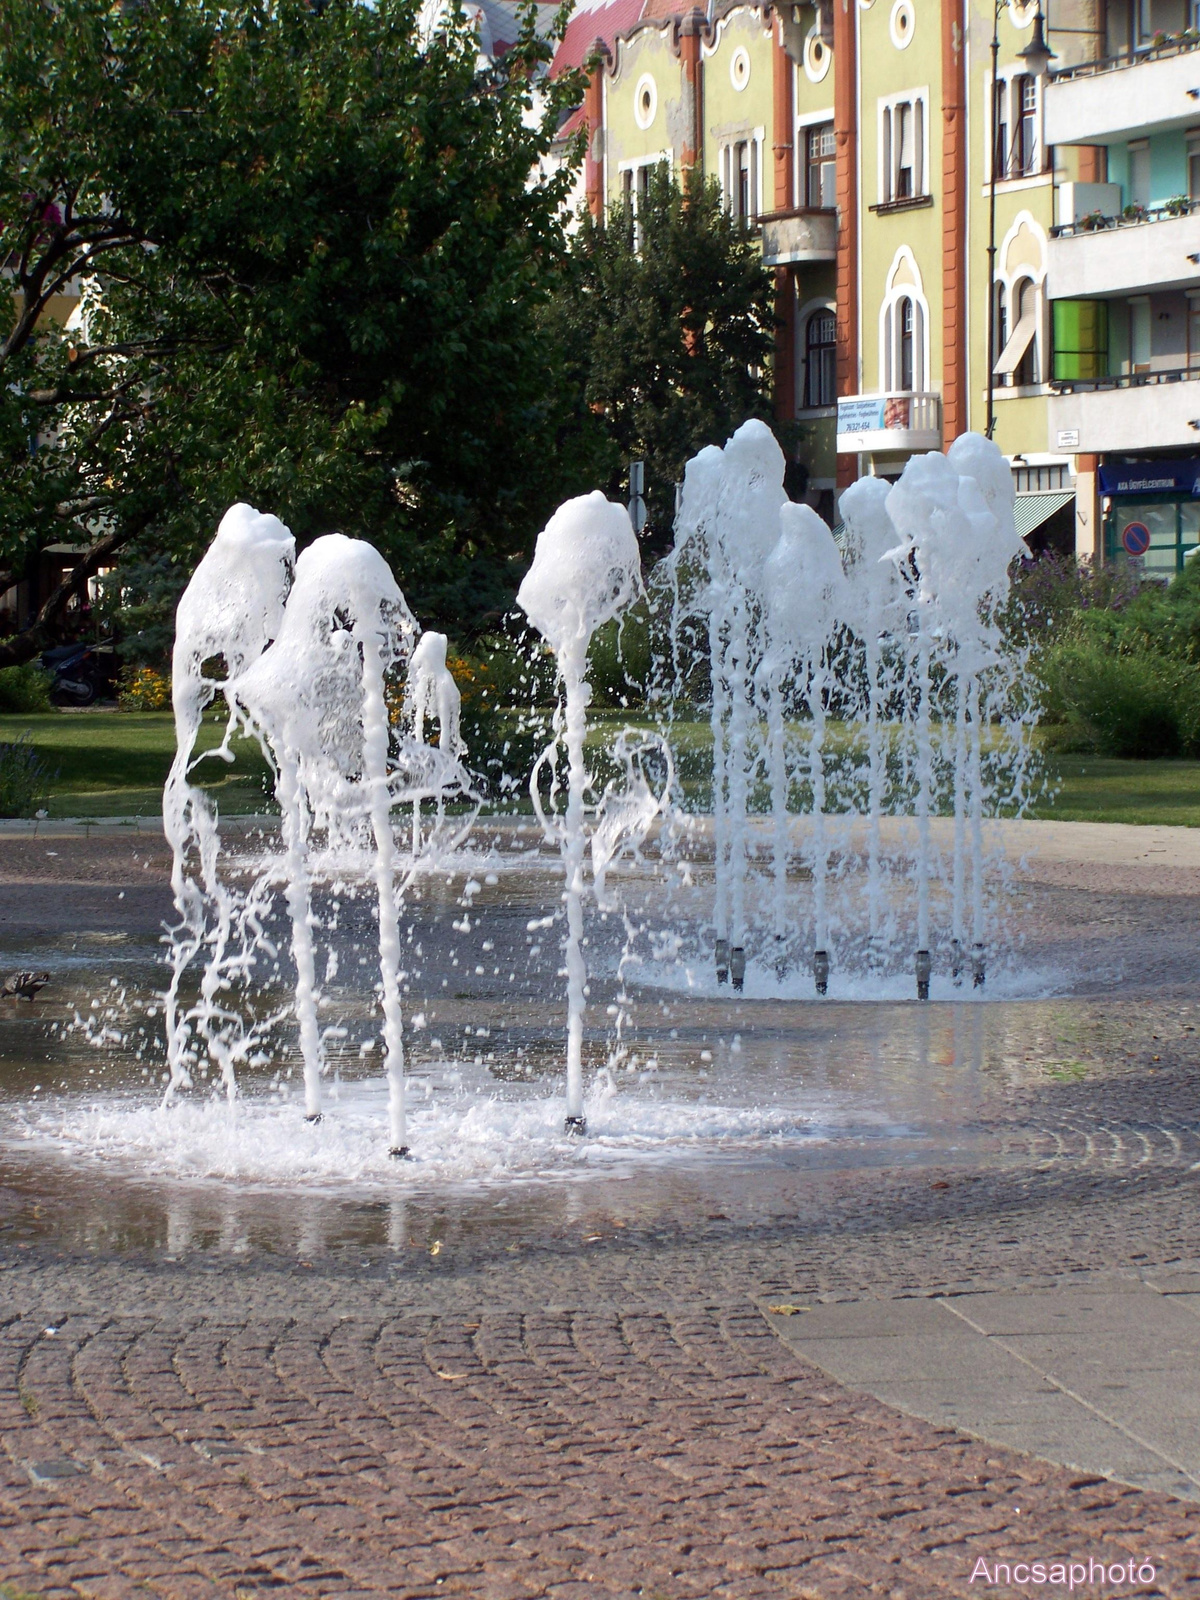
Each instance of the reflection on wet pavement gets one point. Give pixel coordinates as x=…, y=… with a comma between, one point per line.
x=703, y=1103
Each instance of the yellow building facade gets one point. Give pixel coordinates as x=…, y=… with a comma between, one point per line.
x=857, y=140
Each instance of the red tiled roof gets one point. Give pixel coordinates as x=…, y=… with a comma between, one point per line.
x=605, y=19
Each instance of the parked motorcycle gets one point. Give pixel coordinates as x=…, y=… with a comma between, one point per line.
x=80, y=672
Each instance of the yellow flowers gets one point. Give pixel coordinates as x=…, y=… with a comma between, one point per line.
x=144, y=689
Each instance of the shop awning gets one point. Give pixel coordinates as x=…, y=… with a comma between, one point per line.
x=1031, y=510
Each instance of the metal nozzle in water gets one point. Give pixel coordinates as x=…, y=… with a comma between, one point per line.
x=977, y=965
x=821, y=970
x=722, y=960
x=956, y=962
x=400, y=1152
x=576, y=1127
x=737, y=966
x=781, y=960
x=314, y=1116
x=924, y=972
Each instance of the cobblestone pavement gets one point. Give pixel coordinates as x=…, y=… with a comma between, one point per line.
x=597, y=1410
x=602, y=1418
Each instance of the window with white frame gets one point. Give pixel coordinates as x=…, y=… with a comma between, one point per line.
x=740, y=165
x=634, y=177
x=904, y=358
x=820, y=359
x=820, y=166
x=903, y=156
x=1015, y=112
x=1019, y=363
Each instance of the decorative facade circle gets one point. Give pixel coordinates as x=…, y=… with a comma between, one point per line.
x=739, y=68
x=903, y=21
x=818, y=57
x=645, y=101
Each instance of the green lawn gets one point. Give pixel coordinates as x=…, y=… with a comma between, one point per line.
x=115, y=763
x=1096, y=789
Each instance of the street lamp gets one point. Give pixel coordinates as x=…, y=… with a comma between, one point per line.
x=1037, y=56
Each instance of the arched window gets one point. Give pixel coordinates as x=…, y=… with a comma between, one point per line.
x=1018, y=363
x=820, y=360
x=905, y=319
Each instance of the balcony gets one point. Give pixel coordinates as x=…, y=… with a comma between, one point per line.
x=1100, y=255
x=877, y=423
x=1108, y=101
x=804, y=234
x=1139, y=411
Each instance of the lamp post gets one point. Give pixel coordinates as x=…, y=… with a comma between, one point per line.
x=1037, y=56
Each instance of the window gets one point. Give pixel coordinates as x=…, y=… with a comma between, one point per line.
x=1025, y=152
x=1017, y=112
x=906, y=318
x=1193, y=154
x=635, y=186
x=1000, y=324
x=820, y=360
x=1139, y=173
x=741, y=168
x=821, y=167
x=1080, y=339
x=1019, y=360
x=902, y=149
x=904, y=353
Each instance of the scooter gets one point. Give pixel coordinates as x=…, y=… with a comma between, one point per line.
x=80, y=672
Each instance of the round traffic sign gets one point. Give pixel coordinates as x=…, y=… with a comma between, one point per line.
x=1136, y=538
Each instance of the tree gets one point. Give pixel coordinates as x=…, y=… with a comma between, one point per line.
x=668, y=312
x=310, y=257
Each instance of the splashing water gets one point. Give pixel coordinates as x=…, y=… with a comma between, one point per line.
x=889, y=655
x=856, y=692
x=306, y=670
x=586, y=570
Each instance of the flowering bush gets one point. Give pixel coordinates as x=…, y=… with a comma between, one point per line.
x=144, y=689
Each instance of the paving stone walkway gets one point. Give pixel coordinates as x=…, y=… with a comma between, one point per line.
x=610, y=1420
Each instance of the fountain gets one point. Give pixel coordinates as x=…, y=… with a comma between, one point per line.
x=586, y=570
x=856, y=693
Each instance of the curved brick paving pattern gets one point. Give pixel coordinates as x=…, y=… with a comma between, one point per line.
x=609, y=1422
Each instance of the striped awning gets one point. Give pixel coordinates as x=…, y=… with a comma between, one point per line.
x=1031, y=510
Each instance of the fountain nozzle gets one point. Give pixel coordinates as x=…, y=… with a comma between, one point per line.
x=737, y=966
x=314, y=1116
x=956, y=962
x=821, y=970
x=400, y=1152
x=722, y=960
x=575, y=1127
x=924, y=972
x=977, y=965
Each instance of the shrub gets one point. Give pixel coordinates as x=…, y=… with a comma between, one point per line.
x=24, y=689
x=143, y=689
x=1136, y=704
x=24, y=778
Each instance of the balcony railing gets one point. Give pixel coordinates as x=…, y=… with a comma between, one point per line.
x=1125, y=380
x=1169, y=45
x=803, y=233
x=1133, y=216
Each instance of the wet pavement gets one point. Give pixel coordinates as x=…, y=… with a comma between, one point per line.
x=237, y=1363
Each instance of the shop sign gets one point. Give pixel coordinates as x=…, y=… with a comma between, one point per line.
x=1150, y=477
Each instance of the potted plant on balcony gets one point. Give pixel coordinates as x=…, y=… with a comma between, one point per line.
x=1178, y=205
x=1135, y=211
x=1091, y=221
